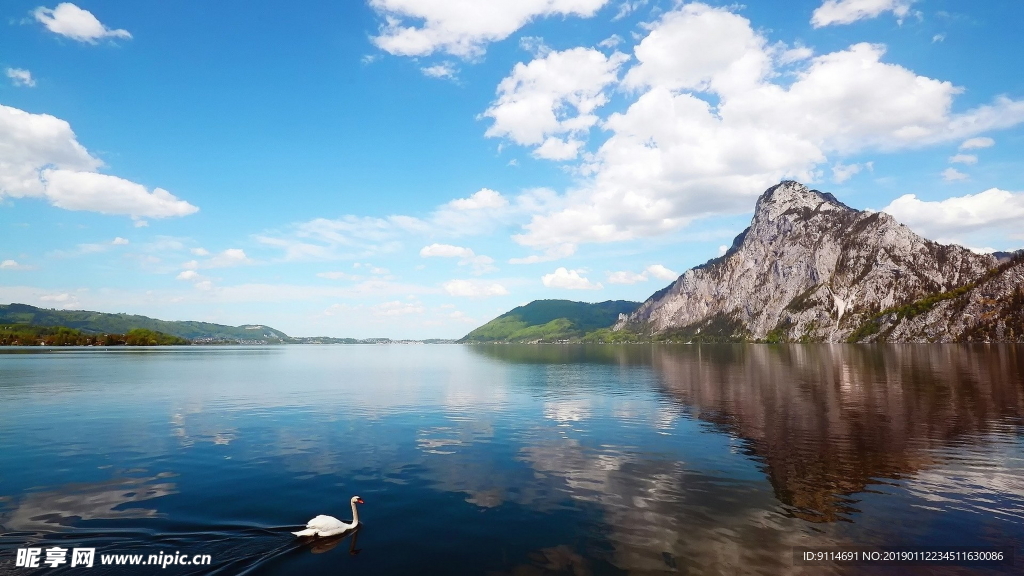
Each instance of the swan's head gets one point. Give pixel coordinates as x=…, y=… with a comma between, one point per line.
x=357, y=500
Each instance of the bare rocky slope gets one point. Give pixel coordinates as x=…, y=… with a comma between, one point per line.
x=810, y=268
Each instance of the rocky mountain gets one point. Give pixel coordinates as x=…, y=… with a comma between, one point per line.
x=810, y=268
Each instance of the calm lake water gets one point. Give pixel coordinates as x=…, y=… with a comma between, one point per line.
x=518, y=460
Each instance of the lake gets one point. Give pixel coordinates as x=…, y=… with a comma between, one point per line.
x=511, y=460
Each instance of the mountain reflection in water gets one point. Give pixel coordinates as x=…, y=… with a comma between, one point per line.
x=513, y=459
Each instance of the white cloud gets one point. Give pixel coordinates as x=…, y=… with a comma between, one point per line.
x=843, y=172
x=551, y=101
x=338, y=276
x=627, y=8
x=442, y=70
x=555, y=252
x=963, y=159
x=228, y=258
x=656, y=270
x=611, y=41
x=91, y=248
x=330, y=239
x=479, y=200
x=708, y=133
x=481, y=264
x=397, y=308
x=938, y=38
x=200, y=251
x=569, y=280
x=12, y=265
x=63, y=300
x=558, y=149
x=474, y=288
x=721, y=47
x=849, y=11
x=948, y=218
x=107, y=194
x=953, y=175
x=188, y=275
x=975, y=143
x=463, y=27
x=354, y=237
x=20, y=77
x=75, y=23
x=661, y=273
x=626, y=277
x=445, y=251
x=41, y=157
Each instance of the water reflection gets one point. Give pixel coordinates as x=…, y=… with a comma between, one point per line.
x=832, y=426
x=517, y=459
x=53, y=509
x=828, y=421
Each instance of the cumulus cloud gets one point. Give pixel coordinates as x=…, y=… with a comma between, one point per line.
x=953, y=175
x=626, y=277
x=480, y=200
x=849, y=11
x=107, y=194
x=975, y=143
x=474, y=288
x=41, y=157
x=73, y=22
x=481, y=264
x=963, y=159
x=12, y=265
x=706, y=134
x=661, y=273
x=463, y=27
x=63, y=300
x=569, y=280
x=21, y=77
x=946, y=219
x=445, y=251
x=442, y=70
x=228, y=258
x=843, y=172
x=550, y=102
x=654, y=270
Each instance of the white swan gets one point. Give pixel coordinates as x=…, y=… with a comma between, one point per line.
x=331, y=526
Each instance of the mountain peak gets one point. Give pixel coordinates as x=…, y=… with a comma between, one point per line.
x=791, y=195
x=808, y=268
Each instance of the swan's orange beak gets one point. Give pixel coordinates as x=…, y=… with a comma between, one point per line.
x=360, y=501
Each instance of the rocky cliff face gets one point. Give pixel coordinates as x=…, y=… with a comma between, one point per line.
x=990, y=310
x=808, y=268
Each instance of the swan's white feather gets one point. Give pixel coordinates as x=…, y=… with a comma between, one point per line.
x=325, y=526
x=329, y=525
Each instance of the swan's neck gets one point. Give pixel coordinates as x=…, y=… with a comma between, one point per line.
x=355, y=514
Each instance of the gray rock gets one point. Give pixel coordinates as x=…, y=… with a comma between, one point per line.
x=808, y=268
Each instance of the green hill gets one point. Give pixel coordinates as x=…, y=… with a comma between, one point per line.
x=103, y=323
x=550, y=320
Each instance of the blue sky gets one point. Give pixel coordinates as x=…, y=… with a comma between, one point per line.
x=414, y=168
